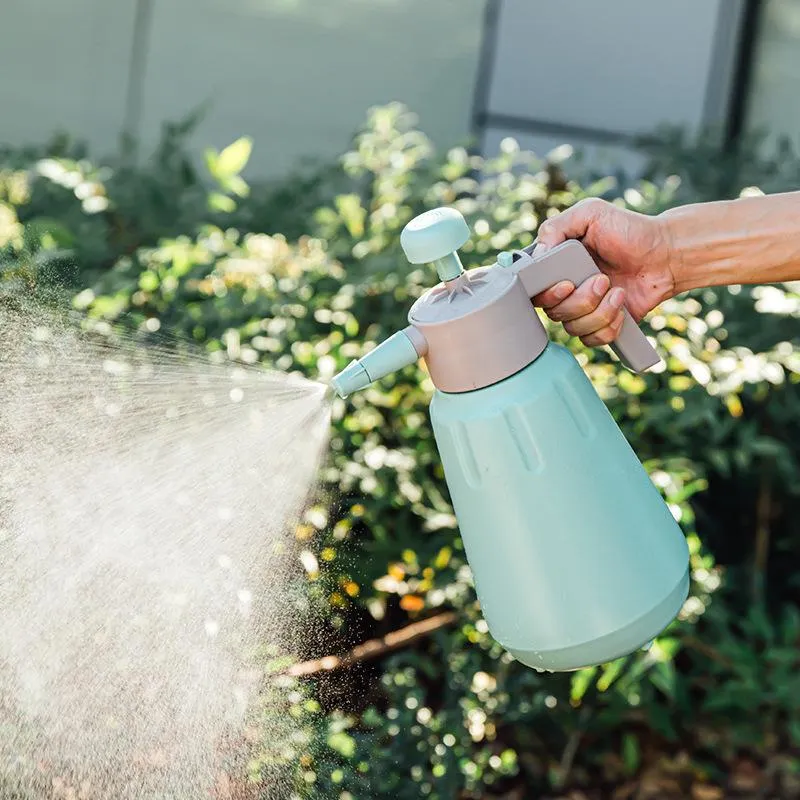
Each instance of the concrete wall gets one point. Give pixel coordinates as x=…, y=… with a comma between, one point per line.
x=296, y=75
x=299, y=75
x=64, y=65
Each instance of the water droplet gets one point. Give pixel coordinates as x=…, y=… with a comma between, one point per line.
x=117, y=467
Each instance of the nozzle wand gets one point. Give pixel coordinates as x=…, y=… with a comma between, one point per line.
x=399, y=350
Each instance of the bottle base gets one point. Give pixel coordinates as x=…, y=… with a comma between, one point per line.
x=612, y=646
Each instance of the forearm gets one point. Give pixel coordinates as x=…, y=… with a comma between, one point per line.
x=749, y=240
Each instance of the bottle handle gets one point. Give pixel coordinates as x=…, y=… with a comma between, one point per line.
x=570, y=261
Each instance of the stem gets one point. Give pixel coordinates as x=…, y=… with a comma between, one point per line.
x=571, y=749
x=763, y=530
x=693, y=643
x=374, y=648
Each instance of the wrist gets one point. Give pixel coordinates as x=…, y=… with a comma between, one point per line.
x=675, y=264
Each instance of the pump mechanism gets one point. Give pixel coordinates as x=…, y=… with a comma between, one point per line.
x=477, y=327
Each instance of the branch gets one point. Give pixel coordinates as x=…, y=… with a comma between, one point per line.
x=374, y=648
x=693, y=643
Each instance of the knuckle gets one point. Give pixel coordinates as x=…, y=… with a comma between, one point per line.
x=592, y=206
x=546, y=300
x=585, y=306
x=605, y=336
x=606, y=315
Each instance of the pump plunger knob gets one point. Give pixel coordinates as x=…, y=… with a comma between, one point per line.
x=433, y=238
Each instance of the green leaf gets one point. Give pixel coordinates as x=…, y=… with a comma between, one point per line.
x=148, y=281
x=791, y=625
x=611, y=672
x=666, y=648
x=767, y=446
x=343, y=744
x=631, y=755
x=794, y=732
x=662, y=677
x=352, y=213
x=236, y=185
x=212, y=159
x=41, y=227
x=221, y=202
x=581, y=681
x=233, y=159
x=720, y=461
x=661, y=722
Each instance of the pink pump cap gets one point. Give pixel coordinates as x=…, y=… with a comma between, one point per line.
x=480, y=326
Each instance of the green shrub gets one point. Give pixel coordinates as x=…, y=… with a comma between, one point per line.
x=718, y=430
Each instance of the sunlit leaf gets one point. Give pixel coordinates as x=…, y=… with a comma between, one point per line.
x=220, y=202
x=233, y=159
x=581, y=681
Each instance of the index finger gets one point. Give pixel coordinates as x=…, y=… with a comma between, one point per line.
x=554, y=295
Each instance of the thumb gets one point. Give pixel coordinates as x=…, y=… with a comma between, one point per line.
x=570, y=224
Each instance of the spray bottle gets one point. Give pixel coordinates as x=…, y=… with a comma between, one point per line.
x=575, y=556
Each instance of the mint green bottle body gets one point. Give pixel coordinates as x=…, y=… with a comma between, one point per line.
x=576, y=558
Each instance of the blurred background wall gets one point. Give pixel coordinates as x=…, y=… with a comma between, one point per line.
x=298, y=75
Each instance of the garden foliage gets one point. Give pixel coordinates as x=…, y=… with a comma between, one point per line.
x=308, y=274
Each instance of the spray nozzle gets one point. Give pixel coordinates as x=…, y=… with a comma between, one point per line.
x=351, y=379
x=399, y=350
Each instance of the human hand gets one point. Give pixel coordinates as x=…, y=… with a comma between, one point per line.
x=632, y=250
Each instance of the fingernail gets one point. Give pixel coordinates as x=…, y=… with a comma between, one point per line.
x=616, y=297
x=600, y=285
x=540, y=248
x=562, y=290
